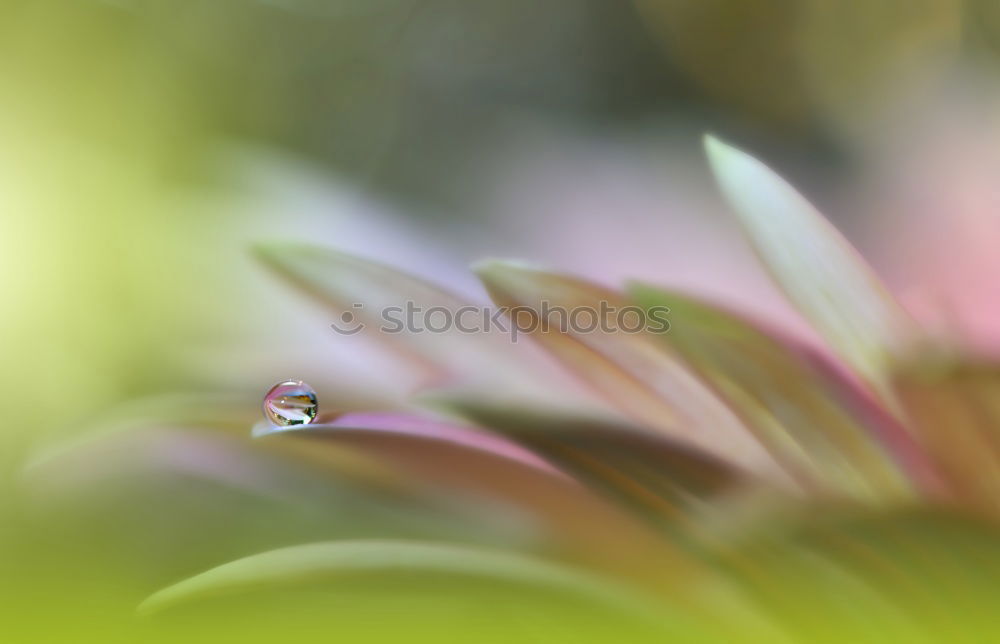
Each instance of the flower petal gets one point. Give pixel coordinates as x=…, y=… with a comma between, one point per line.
x=486, y=475
x=955, y=410
x=377, y=296
x=629, y=369
x=653, y=475
x=826, y=431
x=409, y=426
x=818, y=269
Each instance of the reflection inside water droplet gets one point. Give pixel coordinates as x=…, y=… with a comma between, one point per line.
x=291, y=402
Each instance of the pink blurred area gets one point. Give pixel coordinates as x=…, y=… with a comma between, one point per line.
x=930, y=194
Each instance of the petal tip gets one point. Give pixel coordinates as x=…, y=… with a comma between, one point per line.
x=721, y=155
x=493, y=265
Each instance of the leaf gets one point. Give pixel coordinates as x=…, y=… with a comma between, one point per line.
x=954, y=408
x=818, y=269
x=338, y=562
x=629, y=369
x=825, y=430
x=647, y=472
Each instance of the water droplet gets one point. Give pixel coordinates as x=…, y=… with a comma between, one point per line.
x=291, y=402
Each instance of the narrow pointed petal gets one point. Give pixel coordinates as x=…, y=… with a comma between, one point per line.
x=825, y=430
x=628, y=368
x=340, y=562
x=223, y=412
x=201, y=435
x=409, y=426
x=377, y=296
x=818, y=269
x=662, y=480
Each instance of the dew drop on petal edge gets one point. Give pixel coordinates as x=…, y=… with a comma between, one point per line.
x=291, y=402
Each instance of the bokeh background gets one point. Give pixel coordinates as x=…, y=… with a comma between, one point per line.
x=146, y=144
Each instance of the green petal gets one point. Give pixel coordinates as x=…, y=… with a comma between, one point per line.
x=818, y=269
x=821, y=427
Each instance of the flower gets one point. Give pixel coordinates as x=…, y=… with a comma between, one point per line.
x=722, y=481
